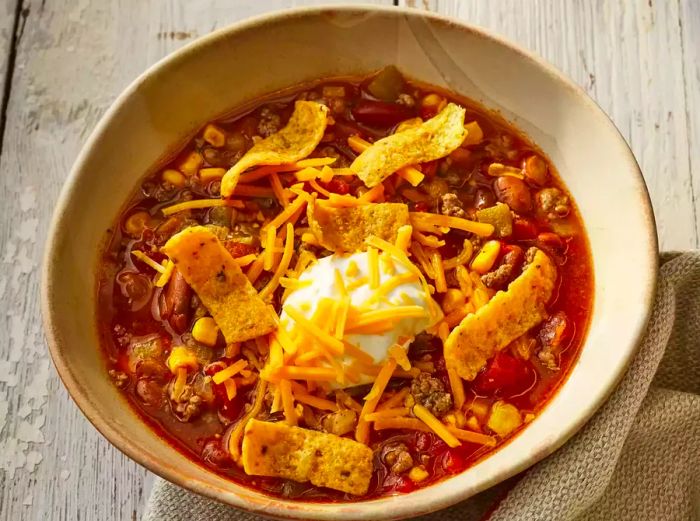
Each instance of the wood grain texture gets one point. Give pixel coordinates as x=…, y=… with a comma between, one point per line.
x=72, y=59
x=7, y=20
x=639, y=60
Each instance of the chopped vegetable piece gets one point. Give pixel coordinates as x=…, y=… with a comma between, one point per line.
x=500, y=217
x=326, y=460
x=181, y=357
x=387, y=84
x=432, y=140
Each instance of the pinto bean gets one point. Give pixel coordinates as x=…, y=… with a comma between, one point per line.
x=514, y=193
x=175, y=305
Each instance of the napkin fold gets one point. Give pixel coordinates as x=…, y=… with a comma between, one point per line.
x=637, y=459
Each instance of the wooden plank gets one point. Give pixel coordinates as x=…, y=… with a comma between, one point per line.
x=72, y=60
x=689, y=25
x=8, y=16
x=626, y=56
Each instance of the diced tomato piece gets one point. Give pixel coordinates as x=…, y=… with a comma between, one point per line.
x=239, y=249
x=429, y=169
x=421, y=206
x=505, y=373
x=454, y=462
x=338, y=186
x=404, y=484
x=524, y=229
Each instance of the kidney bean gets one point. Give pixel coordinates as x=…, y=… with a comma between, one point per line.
x=380, y=113
x=514, y=193
x=175, y=304
x=535, y=170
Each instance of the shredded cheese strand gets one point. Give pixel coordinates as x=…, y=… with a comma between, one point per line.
x=290, y=415
x=165, y=276
x=429, y=222
x=436, y=425
x=234, y=441
x=232, y=370
x=271, y=286
x=372, y=399
x=332, y=343
x=147, y=260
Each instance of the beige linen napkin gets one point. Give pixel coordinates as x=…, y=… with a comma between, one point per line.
x=637, y=459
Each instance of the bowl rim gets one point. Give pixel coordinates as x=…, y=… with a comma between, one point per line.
x=282, y=509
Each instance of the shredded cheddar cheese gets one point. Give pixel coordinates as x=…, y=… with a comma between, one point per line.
x=165, y=276
x=372, y=399
x=332, y=343
x=436, y=425
x=431, y=222
x=373, y=261
x=147, y=260
x=232, y=370
x=271, y=286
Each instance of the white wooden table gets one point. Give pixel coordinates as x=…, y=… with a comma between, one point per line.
x=63, y=61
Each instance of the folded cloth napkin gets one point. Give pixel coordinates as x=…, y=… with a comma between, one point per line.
x=638, y=458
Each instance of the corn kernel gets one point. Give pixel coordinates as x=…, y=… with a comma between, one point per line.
x=474, y=134
x=479, y=408
x=136, y=223
x=486, y=257
x=214, y=136
x=207, y=175
x=453, y=299
x=173, y=177
x=181, y=357
x=504, y=418
x=473, y=424
x=191, y=163
x=205, y=331
x=417, y=474
x=432, y=101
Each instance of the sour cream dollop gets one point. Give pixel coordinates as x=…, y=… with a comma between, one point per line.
x=400, y=288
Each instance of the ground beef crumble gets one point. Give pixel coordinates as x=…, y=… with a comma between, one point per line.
x=430, y=393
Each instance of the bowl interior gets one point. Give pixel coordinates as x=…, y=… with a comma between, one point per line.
x=233, y=66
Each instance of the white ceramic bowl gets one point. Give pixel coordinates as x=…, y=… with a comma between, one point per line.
x=234, y=65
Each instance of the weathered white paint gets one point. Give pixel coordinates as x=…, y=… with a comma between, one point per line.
x=639, y=60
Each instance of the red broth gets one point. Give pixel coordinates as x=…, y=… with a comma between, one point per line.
x=131, y=308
